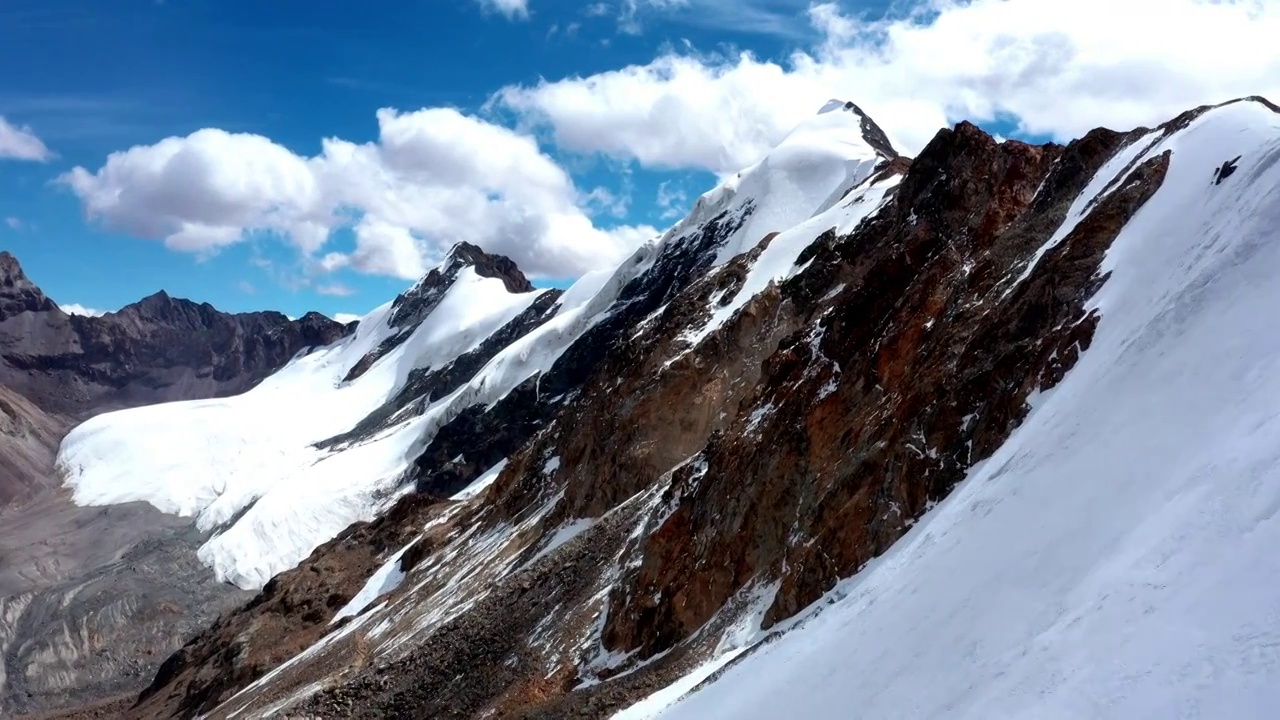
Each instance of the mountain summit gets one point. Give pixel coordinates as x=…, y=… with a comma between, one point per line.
x=871, y=132
x=17, y=293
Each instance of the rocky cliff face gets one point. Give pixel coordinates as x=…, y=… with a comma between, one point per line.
x=91, y=599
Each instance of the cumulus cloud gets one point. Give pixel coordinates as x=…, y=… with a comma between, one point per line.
x=1057, y=68
x=19, y=142
x=434, y=177
x=78, y=309
x=510, y=8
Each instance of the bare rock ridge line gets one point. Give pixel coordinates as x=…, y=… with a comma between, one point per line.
x=627, y=485
x=91, y=599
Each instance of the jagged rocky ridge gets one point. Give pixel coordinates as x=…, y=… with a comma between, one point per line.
x=91, y=599
x=748, y=410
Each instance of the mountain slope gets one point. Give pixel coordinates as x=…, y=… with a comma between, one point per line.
x=92, y=598
x=158, y=349
x=252, y=465
x=1114, y=557
x=708, y=458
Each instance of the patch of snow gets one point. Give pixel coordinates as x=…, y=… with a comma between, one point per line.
x=384, y=580
x=778, y=260
x=653, y=705
x=479, y=485
x=1085, y=202
x=562, y=536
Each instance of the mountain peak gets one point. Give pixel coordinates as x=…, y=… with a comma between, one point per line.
x=871, y=132
x=501, y=267
x=11, y=274
x=17, y=293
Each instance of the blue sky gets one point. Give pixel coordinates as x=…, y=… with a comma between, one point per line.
x=109, y=75
x=93, y=77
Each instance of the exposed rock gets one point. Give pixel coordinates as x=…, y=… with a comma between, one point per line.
x=92, y=599
x=1224, y=172
x=290, y=613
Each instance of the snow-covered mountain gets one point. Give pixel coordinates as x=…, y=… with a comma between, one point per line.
x=979, y=434
x=286, y=466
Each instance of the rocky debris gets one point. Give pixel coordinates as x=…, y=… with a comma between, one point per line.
x=439, y=679
x=95, y=598
x=28, y=442
x=290, y=613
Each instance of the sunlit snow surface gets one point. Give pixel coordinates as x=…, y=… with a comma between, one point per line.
x=1116, y=558
x=254, y=454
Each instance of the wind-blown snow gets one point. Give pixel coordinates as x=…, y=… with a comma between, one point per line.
x=250, y=460
x=1116, y=557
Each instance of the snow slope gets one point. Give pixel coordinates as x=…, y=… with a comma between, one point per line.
x=1116, y=557
x=804, y=176
x=249, y=461
x=777, y=262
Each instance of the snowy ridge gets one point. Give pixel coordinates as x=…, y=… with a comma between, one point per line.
x=778, y=261
x=1115, y=557
x=805, y=175
x=248, y=465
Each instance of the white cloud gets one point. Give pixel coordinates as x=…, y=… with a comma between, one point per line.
x=433, y=178
x=513, y=9
x=78, y=309
x=13, y=223
x=19, y=142
x=335, y=290
x=1059, y=67
x=671, y=200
